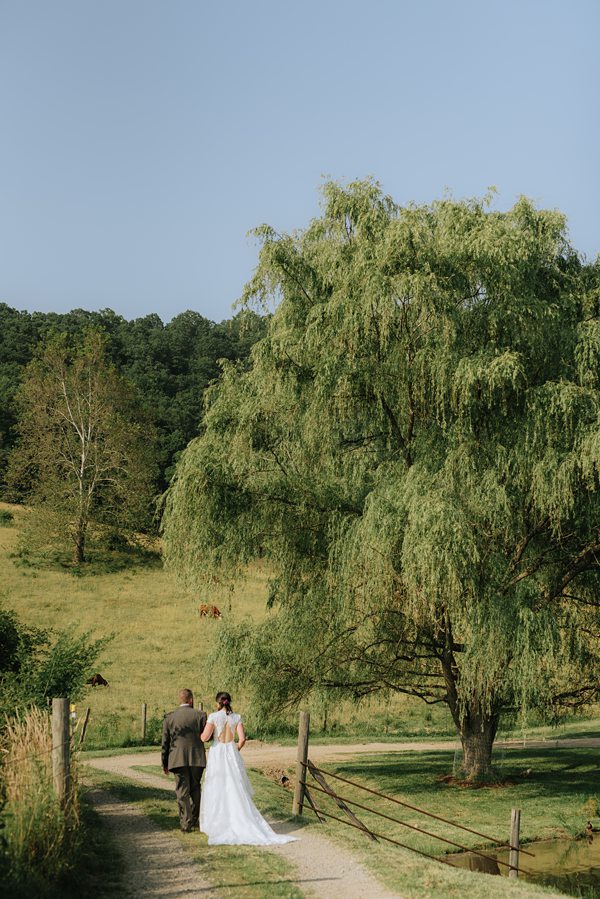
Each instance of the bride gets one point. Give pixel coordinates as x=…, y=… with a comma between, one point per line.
x=227, y=813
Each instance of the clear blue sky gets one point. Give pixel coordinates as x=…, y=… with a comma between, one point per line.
x=141, y=140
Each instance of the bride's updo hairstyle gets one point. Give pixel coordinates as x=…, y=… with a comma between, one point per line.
x=224, y=702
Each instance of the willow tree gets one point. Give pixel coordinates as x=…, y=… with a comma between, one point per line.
x=84, y=453
x=414, y=448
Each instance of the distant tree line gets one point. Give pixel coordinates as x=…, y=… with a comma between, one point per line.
x=169, y=365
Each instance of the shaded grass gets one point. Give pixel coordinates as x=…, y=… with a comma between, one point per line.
x=100, y=866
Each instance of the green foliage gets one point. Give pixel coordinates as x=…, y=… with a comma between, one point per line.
x=6, y=518
x=415, y=451
x=85, y=451
x=14, y=642
x=36, y=665
x=170, y=365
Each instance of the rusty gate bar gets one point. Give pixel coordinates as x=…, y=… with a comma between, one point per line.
x=415, y=808
x=420, y=830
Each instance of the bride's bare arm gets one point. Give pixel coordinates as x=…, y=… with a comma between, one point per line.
x=241, y=735
x=207, y=733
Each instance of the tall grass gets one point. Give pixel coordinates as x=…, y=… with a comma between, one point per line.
x=40, y=835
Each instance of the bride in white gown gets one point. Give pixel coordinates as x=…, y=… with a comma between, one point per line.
x=227, y=813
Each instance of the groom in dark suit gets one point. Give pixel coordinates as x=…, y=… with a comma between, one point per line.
x=183, y=754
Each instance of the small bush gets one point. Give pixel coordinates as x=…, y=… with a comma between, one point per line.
x=6, y=518
x=36, y=664
x=154, y=726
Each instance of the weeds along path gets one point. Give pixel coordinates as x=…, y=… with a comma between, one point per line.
x=156, y=865
x=154, y=862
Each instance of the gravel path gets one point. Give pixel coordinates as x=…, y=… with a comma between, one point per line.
x=260, y=755
x=156, y=865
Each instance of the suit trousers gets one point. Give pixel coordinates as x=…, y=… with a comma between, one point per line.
x=187, y=790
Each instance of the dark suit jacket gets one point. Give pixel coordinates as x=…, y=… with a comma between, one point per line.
x=181, y=743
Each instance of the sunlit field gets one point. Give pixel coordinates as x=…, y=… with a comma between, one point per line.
x=161, y=643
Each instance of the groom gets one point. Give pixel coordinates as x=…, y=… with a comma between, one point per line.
x=183, y=754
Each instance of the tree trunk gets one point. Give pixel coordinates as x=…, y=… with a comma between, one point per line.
x=79, y=548
x=477, y=734
x=477, y=728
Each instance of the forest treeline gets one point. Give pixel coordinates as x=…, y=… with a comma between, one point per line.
x=169, y=365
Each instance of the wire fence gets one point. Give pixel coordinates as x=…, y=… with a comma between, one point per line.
x=321, y=786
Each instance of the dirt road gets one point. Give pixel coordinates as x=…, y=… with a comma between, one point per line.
x=156, y=865
x=261, y=755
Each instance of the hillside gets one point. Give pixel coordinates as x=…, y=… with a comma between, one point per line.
x=160, y=640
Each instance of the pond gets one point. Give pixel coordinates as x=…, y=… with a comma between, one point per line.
x=573, y=866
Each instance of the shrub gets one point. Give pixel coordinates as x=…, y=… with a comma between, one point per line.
x=154, y=726
x=36, y=665
x=6, y=518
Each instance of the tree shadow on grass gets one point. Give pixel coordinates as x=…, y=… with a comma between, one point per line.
x=99, y=560
x=134, y=792
x=561, y=771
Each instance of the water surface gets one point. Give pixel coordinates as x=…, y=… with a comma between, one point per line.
x=572, y=866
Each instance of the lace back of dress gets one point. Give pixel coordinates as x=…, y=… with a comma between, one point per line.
x=226, y=735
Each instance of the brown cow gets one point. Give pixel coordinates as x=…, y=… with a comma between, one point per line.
x=97, y=681
x=206, y=611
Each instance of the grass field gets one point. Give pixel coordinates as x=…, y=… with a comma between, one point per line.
x=161, y=643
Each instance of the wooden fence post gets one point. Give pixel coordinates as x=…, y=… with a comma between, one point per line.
x=301, y=763
x=144, y=716
x=61, y=748
x=515, y=824
x=84, y=726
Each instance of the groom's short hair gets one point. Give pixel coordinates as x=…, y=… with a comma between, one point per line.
x=186, y=696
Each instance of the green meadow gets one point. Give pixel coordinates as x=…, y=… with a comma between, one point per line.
x=160, y=643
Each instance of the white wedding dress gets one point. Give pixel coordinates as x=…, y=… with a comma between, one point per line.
x=227, y=814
